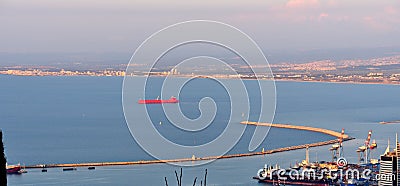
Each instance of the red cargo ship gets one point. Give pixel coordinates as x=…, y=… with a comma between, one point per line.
x=158, y=101
x=13, y=169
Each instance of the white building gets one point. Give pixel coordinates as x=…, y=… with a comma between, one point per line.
x=389, y=172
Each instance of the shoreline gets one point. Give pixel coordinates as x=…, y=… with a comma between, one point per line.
x=339, y=82
x=205, y=77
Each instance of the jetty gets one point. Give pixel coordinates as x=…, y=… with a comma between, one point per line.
x=193, y=158
x=298, y=127
x=390, y=122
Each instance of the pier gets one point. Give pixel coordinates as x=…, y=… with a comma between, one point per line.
x=264, y=152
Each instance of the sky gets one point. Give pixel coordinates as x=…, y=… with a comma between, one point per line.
x=106, y=26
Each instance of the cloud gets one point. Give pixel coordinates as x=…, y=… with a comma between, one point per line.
x=302, y=3
x=384, y=20
x=390, y=10
x=373, y=23
x=322, y=16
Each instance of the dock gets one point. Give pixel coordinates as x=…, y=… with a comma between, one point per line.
x=264, y=152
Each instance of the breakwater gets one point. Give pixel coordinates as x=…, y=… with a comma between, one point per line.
x=264, y=152
x=298, y=127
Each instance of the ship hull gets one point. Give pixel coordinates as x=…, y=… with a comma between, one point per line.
x=14, y=170
x=158, y=101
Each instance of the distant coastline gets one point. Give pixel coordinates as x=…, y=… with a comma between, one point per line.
x=342, y=82
x=383, y=70
x=122, y=74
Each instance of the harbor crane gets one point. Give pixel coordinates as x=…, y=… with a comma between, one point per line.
x=364, y=151
x=337, y=148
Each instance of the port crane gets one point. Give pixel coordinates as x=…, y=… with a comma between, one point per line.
x=364, y=151
x=337, y=148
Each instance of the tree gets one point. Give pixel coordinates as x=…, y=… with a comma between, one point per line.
x=3, y=171
x=179, y=179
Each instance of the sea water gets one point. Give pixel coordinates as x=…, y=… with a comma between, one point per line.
x=49, y=120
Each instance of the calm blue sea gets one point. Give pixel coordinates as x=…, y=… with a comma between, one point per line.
x=80, y=119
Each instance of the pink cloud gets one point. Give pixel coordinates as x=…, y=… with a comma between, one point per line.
x=322, y=16
x=390, y=10
x=383, y=21
x=332, y=3
x=375, y=24
x=302, y=3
